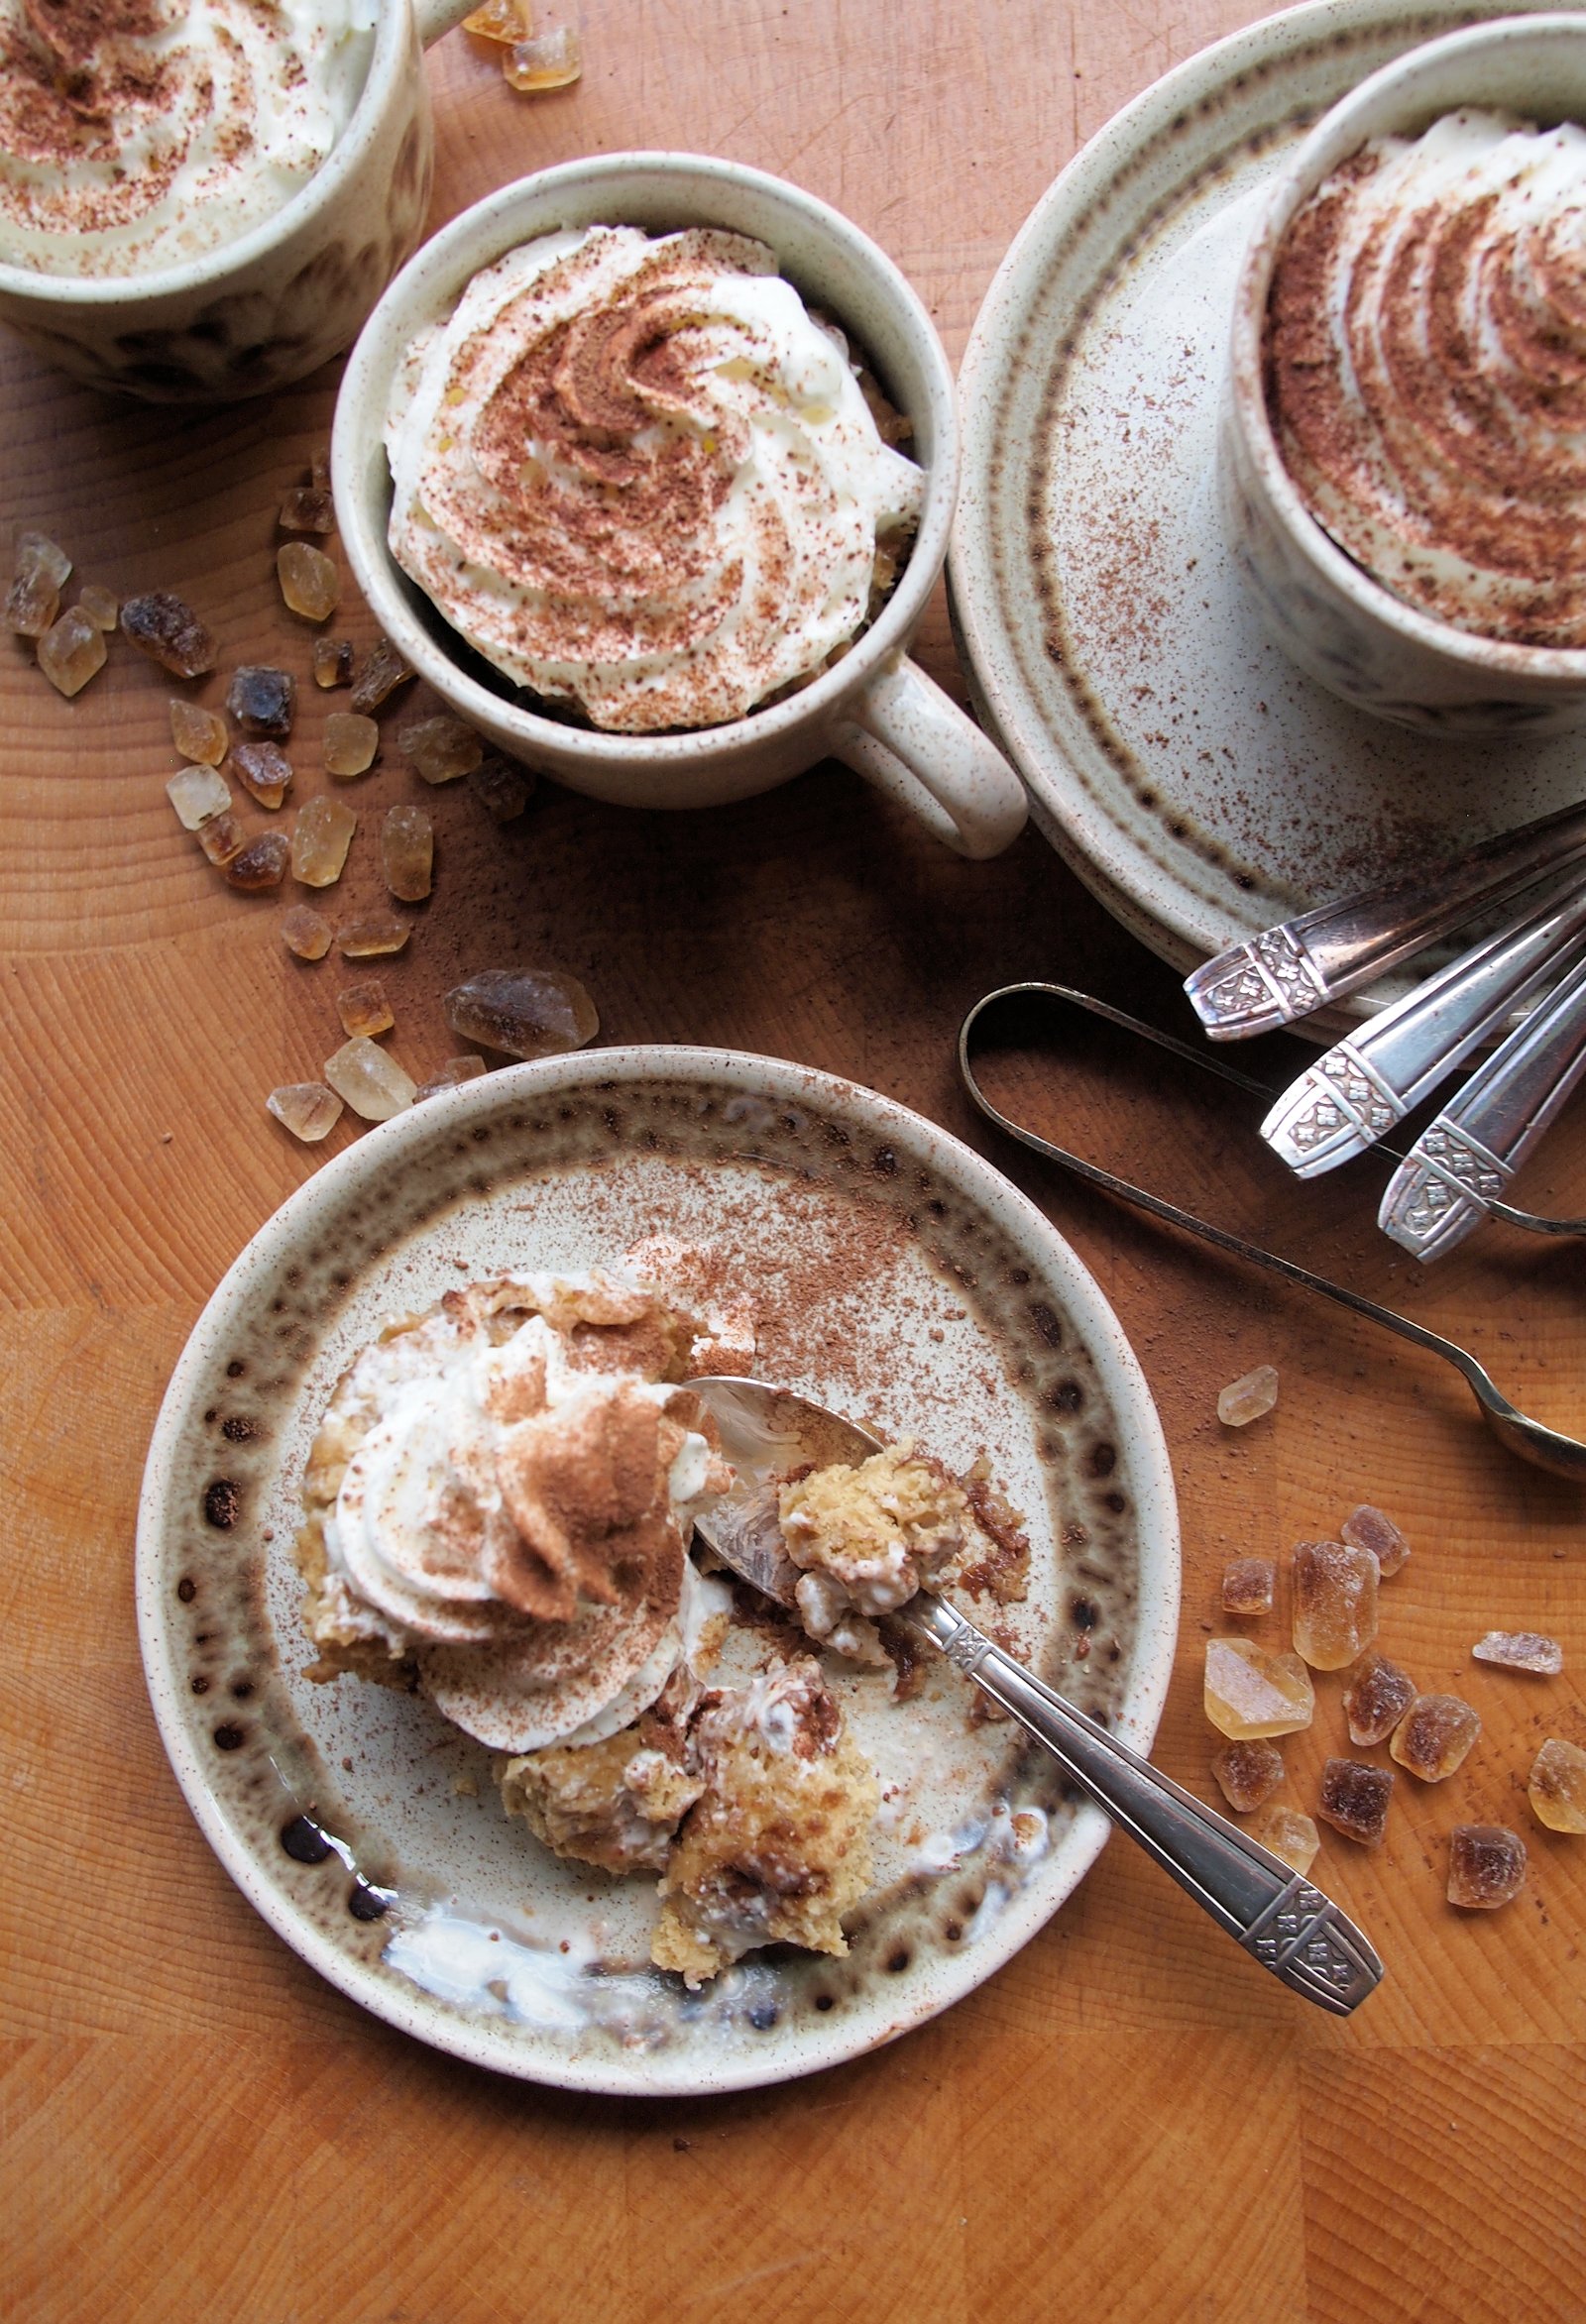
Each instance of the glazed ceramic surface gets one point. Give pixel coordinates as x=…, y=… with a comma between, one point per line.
x=895, y=1276
x=873, y=707
x=1329, y=617
x=272, y=306
x=1198, y=783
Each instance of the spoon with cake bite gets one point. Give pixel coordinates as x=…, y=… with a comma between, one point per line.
x=1276, y=1914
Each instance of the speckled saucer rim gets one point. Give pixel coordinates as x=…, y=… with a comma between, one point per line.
x=382, y=1149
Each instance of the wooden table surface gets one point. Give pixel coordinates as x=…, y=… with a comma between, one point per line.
x=1128, y=2121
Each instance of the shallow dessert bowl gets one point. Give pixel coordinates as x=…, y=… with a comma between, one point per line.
x=899, y=1277
x=836, y=269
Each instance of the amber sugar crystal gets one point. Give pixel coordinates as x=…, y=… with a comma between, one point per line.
x=1355, y=1799
x=1370, y=1528
x=1290, y=1836
x=333, y=662
x=169, y=632
x=221, y=836
x=310, y=582
x=1520, y=1650
x=101, y=606
x=502, y=789
x=305, y=932
x=199, y=734
x=375, y=934
x=71, y=651
x=196, y=794
x=262, y=863
x=319, y=842
x=441, y=748
x=307, y=508
x=499, y=20
x=350, y=744
x=1250, y=1693
x=364, y=1008
x=1249, y=1398
x=551, y=59
x=42, y=571
x=523, y=1012
x=371, y=1080
x=1248, y=1586
x=1248, y=1772
x=1434, y=1736
x=1376, y=1699
x=308, y=1109
x=1557, y=1786
x=262, y=768
x=383, y=671
x=407, y=853
x=451, y=1074
x=1335, y=1602
x=1485, y=1866
x=262, y=700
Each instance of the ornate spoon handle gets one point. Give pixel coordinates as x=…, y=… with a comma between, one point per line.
x=1300, y=965
x=1462, y=1163
x=1369, y=1081
x=1291, y=1927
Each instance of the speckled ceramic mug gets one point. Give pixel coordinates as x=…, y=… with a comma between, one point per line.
x=1325, y=611
x=277, y=301
x=873, y=708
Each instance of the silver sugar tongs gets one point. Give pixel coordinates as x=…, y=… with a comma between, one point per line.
x=1545, y=1448
x=1302, y=964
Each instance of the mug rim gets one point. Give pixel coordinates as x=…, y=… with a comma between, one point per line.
x=392, y=27
x=1563, y=666
x=433, y=281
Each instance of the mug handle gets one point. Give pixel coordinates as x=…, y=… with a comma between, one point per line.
x=912, y=741
x=435, y=17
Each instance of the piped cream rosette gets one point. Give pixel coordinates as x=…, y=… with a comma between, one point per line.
x=639, y=476
x=508, y=1478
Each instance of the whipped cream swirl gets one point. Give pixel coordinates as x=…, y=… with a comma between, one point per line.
x=508, y=1515
x=137, y=133
x=639, y=476
x=1426, y=371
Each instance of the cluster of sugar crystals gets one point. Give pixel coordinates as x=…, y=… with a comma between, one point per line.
x=1335, y=1602
x=1520, y=1650
x=1248, y=1399
x=1434, y=1736
x=1485, y=1866
x=1250, y=1693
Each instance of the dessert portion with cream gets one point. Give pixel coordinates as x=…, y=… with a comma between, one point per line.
x=498, y=1506
x=136, y=134
x=1426, y=355
x=642, y=480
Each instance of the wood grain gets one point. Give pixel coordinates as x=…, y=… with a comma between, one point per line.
x=1126, y=2123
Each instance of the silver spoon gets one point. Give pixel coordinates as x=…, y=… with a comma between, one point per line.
x=1274, y=1912
x=1545, y=1448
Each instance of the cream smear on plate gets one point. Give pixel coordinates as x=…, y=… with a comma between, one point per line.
x=1426, y=371
x=642, y=479
x=140, y=133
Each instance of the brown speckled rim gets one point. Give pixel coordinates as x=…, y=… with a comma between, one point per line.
x=1395, y=99
x=385, y=1151
x=635, y=187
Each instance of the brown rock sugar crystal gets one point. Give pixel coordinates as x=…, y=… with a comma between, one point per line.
x=408, y=853
x=169, y=632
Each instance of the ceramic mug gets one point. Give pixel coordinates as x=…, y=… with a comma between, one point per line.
x=873, y=708
x=274, y=304
x=1325, y=611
